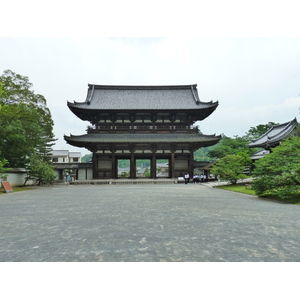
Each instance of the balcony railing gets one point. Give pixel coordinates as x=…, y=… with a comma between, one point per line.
x=143, y=128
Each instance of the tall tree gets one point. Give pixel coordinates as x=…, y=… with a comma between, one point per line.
x=26, y=125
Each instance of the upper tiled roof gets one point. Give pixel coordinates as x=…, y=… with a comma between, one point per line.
x=274, y=135
x=118, y=97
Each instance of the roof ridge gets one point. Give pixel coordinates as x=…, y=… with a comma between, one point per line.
x=136, y=87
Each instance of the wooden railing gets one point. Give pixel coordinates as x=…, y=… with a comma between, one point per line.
x=143, y=128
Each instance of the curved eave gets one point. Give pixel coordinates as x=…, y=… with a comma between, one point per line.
x=86, y=106
x=94, y=139
x=86, y=114
x=287, y=129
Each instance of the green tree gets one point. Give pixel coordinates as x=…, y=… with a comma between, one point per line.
x=230, y=146
x=231, y=167
x=3, y=162
x=278, y=173
x=257, y=131
x=26, y=125
x=86, y=158
x=39, y=170
x=202, y=154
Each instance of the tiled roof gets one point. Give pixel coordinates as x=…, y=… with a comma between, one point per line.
x=74, y=154
x=105, y=97
x=59, y=152
x=141, y=138
x=260, y=154
x=275, y=134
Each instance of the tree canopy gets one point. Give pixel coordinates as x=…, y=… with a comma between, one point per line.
x=278, y=173
x=231, y=167
x=230, y=146
x=257, y=131
x=26, y=125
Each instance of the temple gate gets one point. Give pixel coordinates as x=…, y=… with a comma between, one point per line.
x=142, y=122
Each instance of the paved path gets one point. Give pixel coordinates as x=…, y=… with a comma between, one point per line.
x=172, y=222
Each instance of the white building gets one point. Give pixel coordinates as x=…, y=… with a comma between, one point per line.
x=65, y=156
x=66, y=162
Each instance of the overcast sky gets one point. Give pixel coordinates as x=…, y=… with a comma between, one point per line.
x=255, y=79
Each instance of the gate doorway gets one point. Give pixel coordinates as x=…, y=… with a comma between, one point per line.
x=162, y=168
x=123, y=168
x=143, y=168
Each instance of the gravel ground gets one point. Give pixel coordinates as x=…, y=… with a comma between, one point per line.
x=146, y=223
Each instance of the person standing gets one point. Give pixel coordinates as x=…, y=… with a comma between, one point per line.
x=186, y=178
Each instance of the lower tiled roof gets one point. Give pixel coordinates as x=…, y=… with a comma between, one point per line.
x=142, y=138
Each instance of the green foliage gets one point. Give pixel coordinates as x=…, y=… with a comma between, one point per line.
x=39, y=170
x=124, y=174
x=86, y=158
x=3, y=162
x=278, y=173
x=257, y=131
x=147, y=172
x=26, y=125
x=202, y=154
x=233, y=146
x=230, y=146
x=231, y=167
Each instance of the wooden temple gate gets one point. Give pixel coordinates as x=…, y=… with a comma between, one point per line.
x=142, y=122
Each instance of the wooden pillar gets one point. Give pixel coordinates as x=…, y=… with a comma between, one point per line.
x=95, y=165
x=153, y=166
x=132, y=171
x=113, y=164
x=191, y=162
x=172, y=164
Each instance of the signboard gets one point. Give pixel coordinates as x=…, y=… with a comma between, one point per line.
x=7, y=186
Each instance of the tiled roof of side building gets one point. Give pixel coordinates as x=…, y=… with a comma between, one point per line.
x=59, y=152
x=114, y=97
x=74, y=154
x=275, y=134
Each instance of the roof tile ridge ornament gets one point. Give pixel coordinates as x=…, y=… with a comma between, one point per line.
x=195, y=94
x=88, y=100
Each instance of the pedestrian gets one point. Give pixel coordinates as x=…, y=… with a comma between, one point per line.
x=186, y=178
x=201, y=177
x=67, y=178
x=196, y=178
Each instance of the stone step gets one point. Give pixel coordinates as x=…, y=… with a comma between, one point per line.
x=122, y=181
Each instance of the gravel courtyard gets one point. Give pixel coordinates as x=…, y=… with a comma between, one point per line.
x=145, y=223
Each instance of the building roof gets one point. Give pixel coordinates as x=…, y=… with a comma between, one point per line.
x=120, y=97
x=59, y=152
x=274, y=135
x=83, y=140
x=260, y=154
x=74, y=154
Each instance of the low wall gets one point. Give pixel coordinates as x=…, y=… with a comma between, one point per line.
x=16, y=177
